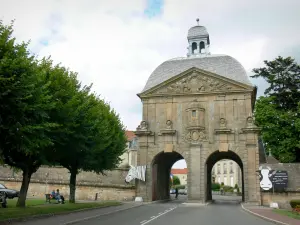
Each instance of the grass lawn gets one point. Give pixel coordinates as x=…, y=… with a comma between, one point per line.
x=287, y=213
x=40, y=207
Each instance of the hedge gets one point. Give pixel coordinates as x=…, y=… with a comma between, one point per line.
x=215, y=186
x=295, y=203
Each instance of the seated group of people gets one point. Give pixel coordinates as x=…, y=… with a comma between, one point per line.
x=56, y=195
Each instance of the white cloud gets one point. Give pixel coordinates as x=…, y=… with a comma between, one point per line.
x=113, y=45
x=180, y=164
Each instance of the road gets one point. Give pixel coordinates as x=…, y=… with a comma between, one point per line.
x=178, y=213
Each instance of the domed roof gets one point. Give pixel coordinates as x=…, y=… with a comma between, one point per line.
x=223, y=65
x=197, y=31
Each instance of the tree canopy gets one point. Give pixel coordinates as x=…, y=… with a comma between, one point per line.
x=278, y=112
x=48, y=117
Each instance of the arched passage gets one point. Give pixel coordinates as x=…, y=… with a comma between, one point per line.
x=212, y=160
x=161, y=167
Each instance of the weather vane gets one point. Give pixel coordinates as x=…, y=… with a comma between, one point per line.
x=197, y=21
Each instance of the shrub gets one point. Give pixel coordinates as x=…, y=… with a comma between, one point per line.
x=227, y=188
x=295, y=203
x=179, y=186
x=237, y=188
x=215, y=186
x=297, y=209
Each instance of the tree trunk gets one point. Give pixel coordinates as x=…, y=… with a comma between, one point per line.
x=24, y=188
x=72, y=186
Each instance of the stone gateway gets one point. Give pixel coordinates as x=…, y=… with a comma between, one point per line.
x=198, y=108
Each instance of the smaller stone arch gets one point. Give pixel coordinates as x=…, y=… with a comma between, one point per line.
x=212, y=159
x=161, y=166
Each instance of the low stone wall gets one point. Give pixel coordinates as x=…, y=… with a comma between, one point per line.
x=110, y=186
x=60, y=174
x=83, y=192
x=283, y=199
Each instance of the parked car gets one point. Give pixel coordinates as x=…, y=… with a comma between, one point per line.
x=185, y=192
x=10, y=193
x=172, y=191
x=181, y=191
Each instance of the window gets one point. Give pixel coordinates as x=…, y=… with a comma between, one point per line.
x=218, y=169
x=194, y=47
x=231, y=168
x=225, y=168
x=194, y=113
x=2, y=186
x=219, y=180
x=202, y=47
x=225, y=180
x=231, y=181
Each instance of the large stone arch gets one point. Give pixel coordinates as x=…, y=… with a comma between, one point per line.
x=160, y=172
x=196, y=114
x=212, y=159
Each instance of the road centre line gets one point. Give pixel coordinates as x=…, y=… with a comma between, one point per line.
x=160, y=214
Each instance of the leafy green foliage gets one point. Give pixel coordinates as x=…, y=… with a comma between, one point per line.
x=47, y=117
x=294, y=203
x=283, y=77
x=215, y=186
x=179, y=186
x=278, y=112
x=25, y=100
x=227, y=188
x=237, y=188
x=176, y=180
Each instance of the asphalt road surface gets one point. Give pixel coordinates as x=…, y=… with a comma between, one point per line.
x=179, y=213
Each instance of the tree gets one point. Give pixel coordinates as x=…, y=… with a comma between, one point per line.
x=24, y=102
x=283, y=77
x=278, y=112
x=94, y=137
x=176, y=180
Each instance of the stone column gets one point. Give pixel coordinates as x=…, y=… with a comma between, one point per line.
x=194, y=192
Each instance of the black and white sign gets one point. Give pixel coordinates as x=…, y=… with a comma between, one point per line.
x=272, y=179
x=280, y=179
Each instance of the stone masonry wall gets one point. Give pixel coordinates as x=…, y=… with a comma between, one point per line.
x=109, y=187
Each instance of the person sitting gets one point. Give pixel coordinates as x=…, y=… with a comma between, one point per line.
x=59, y=197
x=52, y=195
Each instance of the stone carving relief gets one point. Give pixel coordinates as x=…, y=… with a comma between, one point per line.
x=168, y=129
x=169, y=124
x=250, y=122
x=195, y=136
x=143, y=126
x=222, y=123
x=197, y=83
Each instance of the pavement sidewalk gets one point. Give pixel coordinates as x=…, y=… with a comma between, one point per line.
x=268, y=214
x=74, y=217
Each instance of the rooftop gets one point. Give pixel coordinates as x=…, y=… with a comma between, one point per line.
x=223, y=65
x=130, y=135
x=179, y=171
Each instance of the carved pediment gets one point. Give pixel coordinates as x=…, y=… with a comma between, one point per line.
x=197, y=82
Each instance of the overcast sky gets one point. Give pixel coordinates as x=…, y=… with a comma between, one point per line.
x=116, y=44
